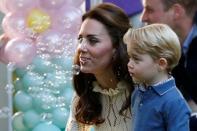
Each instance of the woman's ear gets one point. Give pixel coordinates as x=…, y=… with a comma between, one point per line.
x=114, y=50
x=163, y=64
x=114, y=54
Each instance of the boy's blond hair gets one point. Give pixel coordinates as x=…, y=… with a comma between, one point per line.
x=156, y=40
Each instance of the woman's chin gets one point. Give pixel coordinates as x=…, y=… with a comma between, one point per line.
x=85, y=69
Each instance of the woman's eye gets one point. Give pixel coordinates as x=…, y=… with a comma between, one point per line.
x=80, y=40
x=92, y=41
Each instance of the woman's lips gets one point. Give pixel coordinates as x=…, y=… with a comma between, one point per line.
x=83, y=60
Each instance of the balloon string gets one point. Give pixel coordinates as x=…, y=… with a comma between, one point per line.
x=10, y=68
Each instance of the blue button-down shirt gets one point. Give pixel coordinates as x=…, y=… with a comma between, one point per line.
x=192, y=34
x=159, y=107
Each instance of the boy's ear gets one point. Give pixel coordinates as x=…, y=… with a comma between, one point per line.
x=163, y=64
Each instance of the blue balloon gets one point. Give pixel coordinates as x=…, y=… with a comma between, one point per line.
x=20, y=72
x=22, y=101
x=42, y=65
x=17, y=122
x=46, y=127
x=92, y=129
x=18, y=85
x=60, y=116
x=56, y=81
x=68, y=94
x=31, y=118
x=66, y=62
x=32, y=79
x=44, y=102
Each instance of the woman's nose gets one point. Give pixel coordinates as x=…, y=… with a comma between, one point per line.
x=83, y=45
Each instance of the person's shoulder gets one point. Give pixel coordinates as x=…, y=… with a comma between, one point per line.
x=135, y=93
x=193, y=47
x=173, y=94
x=195, y=18
x=194, y=40
x=174, y=100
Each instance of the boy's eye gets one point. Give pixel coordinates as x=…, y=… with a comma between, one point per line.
x=135, y=58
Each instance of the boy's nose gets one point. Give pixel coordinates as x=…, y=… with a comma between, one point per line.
x=130, y=65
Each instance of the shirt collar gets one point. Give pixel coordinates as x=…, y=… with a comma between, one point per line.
x=121, y=86
x=191, y=35
x=162, y=88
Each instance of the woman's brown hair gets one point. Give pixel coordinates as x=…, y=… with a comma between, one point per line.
x=89, y=107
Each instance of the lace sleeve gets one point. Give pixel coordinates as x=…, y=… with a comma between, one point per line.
x=72, y=124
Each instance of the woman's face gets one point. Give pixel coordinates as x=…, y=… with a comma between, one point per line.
x=95, y=47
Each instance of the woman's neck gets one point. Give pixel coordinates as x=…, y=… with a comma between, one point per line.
x=107, y=80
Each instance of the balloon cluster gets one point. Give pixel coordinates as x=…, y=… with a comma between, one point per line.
x=43, y=94
x=42, y=40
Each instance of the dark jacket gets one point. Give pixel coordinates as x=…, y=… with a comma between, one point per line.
x=186, y=76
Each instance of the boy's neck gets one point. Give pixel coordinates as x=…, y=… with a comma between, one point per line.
x=157, y=79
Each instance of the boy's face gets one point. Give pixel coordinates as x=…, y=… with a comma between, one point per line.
x=142, y=68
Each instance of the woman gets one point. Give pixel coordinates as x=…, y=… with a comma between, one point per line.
x=103, y=86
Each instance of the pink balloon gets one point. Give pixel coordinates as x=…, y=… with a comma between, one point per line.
x=76, y=3
x=3, y=6
x=20, y=51
x=14, y=25
x=51, y=42
x=21, y=5
x=52, y=4
x=68, y=19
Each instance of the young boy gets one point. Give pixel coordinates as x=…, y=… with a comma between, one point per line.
x=157, y=104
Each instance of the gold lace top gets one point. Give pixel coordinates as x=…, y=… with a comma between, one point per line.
x=112, y=101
